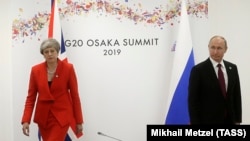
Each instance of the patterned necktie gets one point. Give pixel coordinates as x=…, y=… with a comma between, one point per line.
x=221, y=80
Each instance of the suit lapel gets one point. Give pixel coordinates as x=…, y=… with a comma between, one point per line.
x=212, y=74
x=58, y=74
x=211, y=71
x=44, y=77
x=229, y=70
x=43, y=80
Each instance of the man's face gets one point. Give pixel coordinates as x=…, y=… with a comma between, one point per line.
x=217, y=48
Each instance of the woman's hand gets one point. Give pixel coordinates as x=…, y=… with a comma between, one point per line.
x=26, y=128
x=79, y=128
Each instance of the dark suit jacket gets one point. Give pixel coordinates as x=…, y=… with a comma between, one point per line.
x=61, y=98
x=206, y=102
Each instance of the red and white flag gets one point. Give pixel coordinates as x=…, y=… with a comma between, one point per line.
x=55, y=29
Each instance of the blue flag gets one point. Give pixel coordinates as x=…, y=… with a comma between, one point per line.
x=183, y=62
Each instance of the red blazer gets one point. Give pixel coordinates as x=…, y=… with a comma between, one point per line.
x=61, y=98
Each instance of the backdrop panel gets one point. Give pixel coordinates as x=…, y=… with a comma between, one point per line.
x=123, y=54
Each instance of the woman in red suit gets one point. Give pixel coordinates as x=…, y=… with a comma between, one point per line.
x=53, y=92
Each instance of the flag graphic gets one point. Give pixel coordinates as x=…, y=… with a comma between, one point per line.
x=55, y=31
x=183, y=62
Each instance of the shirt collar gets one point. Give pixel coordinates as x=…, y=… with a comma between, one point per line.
x=216, y=63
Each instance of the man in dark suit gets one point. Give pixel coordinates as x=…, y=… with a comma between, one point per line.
x=206, y=102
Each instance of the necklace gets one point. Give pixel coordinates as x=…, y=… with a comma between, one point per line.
x=51, y=72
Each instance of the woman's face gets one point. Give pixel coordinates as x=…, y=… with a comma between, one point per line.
x=50, y=54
